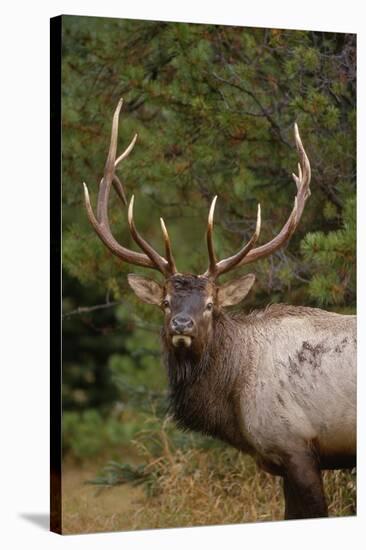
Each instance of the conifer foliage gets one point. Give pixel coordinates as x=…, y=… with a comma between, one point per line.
x=214, y=108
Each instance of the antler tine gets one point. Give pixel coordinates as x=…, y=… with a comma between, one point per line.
x=89, y=209
x=219, y=268
x=209, y=237
x=100, y=223
x=117, y=184
x=304, y=161
x=126, y=152
x=168, y=248
x=161, y=262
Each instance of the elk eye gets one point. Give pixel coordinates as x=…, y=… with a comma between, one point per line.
x=209, y=306
x=165, y=303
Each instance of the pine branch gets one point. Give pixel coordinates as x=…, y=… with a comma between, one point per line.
x=82, y=309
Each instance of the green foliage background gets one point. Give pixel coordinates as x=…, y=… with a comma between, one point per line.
x=214, y=108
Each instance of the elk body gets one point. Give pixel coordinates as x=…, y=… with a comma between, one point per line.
x=279, y=384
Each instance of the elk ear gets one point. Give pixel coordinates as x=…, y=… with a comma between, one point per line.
x=146, y=289
x=233, y=292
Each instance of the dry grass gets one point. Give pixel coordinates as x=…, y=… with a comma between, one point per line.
x=90, y=510
x=189, y=488
x=224, y=487
x=209, y=488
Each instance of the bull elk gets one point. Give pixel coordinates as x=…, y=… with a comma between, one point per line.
x=278, y=384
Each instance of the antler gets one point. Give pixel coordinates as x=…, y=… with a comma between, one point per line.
x=249, y=254
x=100, y=223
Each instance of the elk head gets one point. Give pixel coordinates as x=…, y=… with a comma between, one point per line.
x=189, y=302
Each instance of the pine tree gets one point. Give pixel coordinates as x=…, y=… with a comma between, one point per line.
x=214, y=108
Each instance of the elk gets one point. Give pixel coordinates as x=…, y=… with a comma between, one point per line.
x=279, y=384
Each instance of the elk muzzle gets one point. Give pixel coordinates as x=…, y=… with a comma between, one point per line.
x=181, y=329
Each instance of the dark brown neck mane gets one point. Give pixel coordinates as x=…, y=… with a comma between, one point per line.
x=202, y=387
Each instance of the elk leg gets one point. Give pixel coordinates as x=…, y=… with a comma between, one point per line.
x=292, y=510
x=303, y=488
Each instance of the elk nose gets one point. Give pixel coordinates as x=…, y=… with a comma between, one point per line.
x=182, y=323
